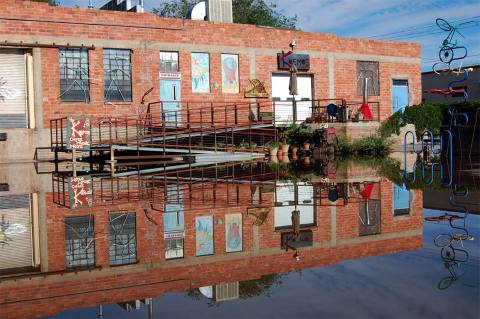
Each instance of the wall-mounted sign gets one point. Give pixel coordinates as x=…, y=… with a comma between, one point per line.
x=170, y=76
x=257, y=89
x=173, y=234
x=78, y=133
x=80, y=192
x=301, y=61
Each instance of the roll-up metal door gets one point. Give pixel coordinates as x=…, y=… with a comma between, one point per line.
x=16, y=249
x=13, y=97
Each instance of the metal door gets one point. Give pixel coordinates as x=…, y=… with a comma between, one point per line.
x=401, y=200
x=16, y=247
x=400, y=95
x=13, y=89
x=170, y=95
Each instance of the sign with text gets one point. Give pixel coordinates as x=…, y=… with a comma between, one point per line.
x=78, y=133
x=286, y=59
x=80, y=192
x=170, y=76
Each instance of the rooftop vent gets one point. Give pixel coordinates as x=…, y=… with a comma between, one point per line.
x=123, y=5
x=212, y=10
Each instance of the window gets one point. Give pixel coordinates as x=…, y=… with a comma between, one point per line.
x=168, y=61
x=369, y=70
x=74, y=82
x=117, y=72
x=122, y=238
x=79, y=239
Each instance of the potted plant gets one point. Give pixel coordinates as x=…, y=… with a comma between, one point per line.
x=273, y=147
x=306, y=145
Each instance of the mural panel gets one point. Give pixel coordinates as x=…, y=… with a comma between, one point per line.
x=230, y=81
x=233, y=232
x=204, y=235
x=200, y=72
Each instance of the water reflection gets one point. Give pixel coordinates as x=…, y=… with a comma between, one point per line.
x=217, y=233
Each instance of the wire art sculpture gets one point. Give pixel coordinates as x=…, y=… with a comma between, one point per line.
x=450, y=51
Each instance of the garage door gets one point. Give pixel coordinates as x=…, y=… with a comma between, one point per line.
x=16, y=249
x=13, y=100
x=283, y=104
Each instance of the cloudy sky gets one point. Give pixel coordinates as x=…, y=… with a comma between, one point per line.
x=398, y=20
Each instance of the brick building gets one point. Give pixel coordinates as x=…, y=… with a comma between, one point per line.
x=59, y=61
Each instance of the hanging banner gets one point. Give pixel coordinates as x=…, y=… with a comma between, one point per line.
x=79, y=133
x=80, y=192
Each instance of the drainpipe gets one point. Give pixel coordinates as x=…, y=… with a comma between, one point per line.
x=365, y=91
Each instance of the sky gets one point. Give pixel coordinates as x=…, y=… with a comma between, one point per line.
x=398, y=20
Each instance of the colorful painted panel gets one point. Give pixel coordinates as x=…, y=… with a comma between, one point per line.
x=233, y=232
x=78, y=133
x=204, y=235
x=230, y=82
x=80, y=191
x=200, y=73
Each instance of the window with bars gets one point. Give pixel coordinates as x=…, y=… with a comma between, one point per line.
x=168, y=61
x=74, y=79
x=80, y=243
x=117, y=74
x=369, y=70
x=122, y=238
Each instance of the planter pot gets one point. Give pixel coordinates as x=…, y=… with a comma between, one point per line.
x=294, y=150
x=306, y=160
x=285, y=148
x=274, y=159
x=294, y=157
x=306, y=146
x=274, y=151
x=279, y=153
x=285, y=159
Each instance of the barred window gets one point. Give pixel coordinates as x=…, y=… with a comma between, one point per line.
x=369, y=70
x=118, y=79
x=168, y=61
x=122, y=238
x=74, y=81
x=80, y=243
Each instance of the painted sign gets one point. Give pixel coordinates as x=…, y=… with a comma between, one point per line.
x=230, y=81
x=80, y=191
x=78, y=133
x=204, y=235
x=170, y=76
x=200, y=72
x=233, y=233
x=286, y=59
x=257, y=89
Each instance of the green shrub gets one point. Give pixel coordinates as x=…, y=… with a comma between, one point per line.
x=424, y=116
x=367, y=146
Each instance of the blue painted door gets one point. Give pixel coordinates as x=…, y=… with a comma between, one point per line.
x=170, y=95
x=401, y=200
x=400, y=96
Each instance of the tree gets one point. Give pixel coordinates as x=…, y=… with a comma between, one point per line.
x=50, y=2
x=256, y=12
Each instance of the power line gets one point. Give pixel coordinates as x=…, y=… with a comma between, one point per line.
x=424, y=27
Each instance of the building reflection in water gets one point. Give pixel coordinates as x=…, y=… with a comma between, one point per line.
x=198, y=230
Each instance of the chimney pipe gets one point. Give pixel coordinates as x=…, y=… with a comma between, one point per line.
x=90, y=4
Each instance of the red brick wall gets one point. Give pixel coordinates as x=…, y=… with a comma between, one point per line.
x=111, y=26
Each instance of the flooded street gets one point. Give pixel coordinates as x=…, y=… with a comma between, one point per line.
x=220, y=241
